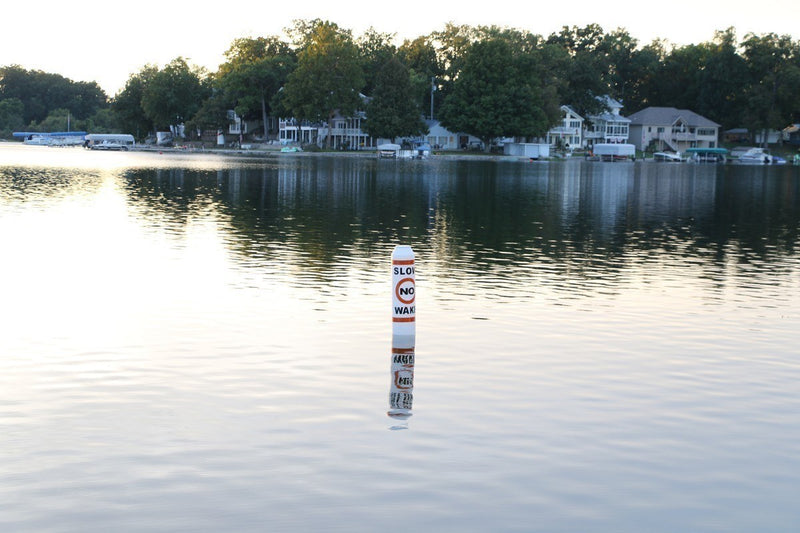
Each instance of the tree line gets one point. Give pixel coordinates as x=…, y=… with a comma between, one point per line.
x=486, y=80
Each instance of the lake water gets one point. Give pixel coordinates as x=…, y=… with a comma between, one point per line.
x=192, y=343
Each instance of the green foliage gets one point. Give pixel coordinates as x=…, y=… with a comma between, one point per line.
x=12, y=112
x=104, y=121
x=212, y=115
x=493, y=96
x=420, y=56
x=175, y=93
x=774, y=69
x=375, y=49
x=42, y=92
x=328, y=76
x=254, y=72
x=393, y=111
x=127, y=104
x=57, y=120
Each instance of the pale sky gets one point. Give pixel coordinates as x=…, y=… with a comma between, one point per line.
x=108, y=41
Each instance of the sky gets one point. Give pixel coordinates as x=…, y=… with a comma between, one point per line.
x=107, y=42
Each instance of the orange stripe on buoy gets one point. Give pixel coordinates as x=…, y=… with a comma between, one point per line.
x=402, y=350
x=404, y=319
x=403, y=262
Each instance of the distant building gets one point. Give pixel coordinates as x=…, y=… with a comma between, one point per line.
x=671, y=129
x=439, y=137
x=608, y=127
x=791, y=134
x=569, y=132
x=346, y=133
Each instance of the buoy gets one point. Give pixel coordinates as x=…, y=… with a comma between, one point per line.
x=404, y=307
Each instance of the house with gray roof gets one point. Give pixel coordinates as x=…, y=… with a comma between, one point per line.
x=671, y=129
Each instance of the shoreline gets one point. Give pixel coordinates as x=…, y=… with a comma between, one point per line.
x=275, y=152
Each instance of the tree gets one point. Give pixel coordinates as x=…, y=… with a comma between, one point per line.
x=393, y=112
x=212, y=115
x=586, y=69
x=127, y=104
x=254, y=72
x=42, y=92
x=328, y=76
x=493, y=96
x=419, y=55
x=375, y=49
x=721, y=82
x=175, y=93
x=57, y=120
x=774, y=66
x=11, y=115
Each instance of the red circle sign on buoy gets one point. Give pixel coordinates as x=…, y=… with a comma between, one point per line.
x=404, y=309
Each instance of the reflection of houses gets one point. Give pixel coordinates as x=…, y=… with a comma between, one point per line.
x=567, y=133
x=667, y=128
x=608, y=127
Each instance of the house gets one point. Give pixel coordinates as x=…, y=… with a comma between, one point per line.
x=440, y=138
x=791, y=134
x=291, y=131
x=568, y=132
x=608, y=127
x=345, y=132
x=671, y=129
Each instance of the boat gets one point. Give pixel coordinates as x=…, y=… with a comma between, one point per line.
x=55, y=138
x=755, y=156
x=707, y=155
x=388, y=151
x=668, y=157
x=110, y=141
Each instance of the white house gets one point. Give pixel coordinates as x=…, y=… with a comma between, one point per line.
x=346, y=133
x=439, y=137
x=608, y=127
x=668, y=128
x=568, y=132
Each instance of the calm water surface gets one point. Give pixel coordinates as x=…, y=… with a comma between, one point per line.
x=190, y=343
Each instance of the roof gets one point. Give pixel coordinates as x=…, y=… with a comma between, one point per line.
x=667, y=116
x=610, y=117
x=610, y=102
x=568, y=109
